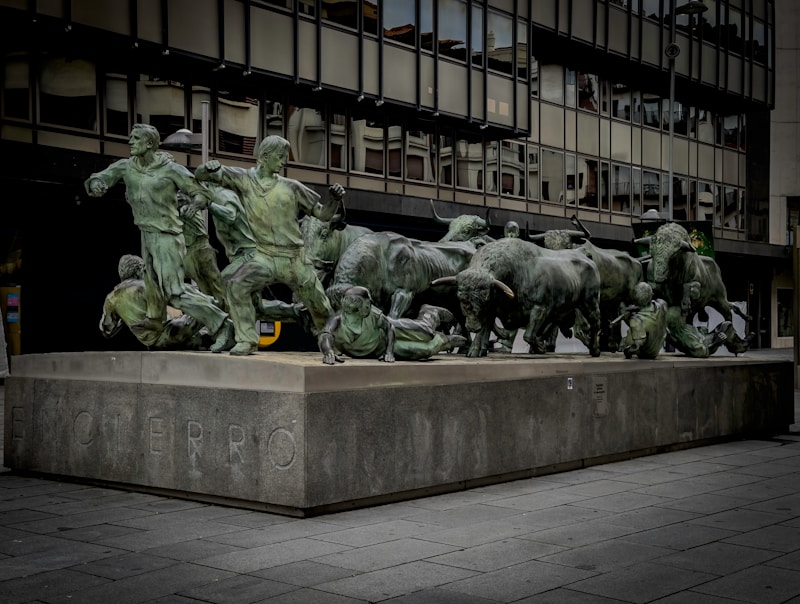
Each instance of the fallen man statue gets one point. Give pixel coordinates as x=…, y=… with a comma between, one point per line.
x=361, y=330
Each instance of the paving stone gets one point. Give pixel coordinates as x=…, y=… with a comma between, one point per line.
x=606, y=555
x=718, y=558
x=580, y=533
x=126, y=565
x=45, y=585
x=377, y=533
x=63, y=555
x=385, y=555
x=188, y=551
x=464, y=516
x=647, y=518
x=775, y=538
x=396, y=581
x=621, y=502
x=305, y=573
x=497, y=554
x=439, y=596
x=275, y=554
x=742, y=520
x=242, y=589
x=275, y=534
x=93, y=534
x=642, y=582
x=540, y=500
x=680, y=536
x=146, y=587
x=597, y=488
x=168, y=534
x=759, y=584
x=519, y=581
x=312, y=596
x=19, y=543
x=564, y=595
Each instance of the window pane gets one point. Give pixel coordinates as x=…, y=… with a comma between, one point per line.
x=651, y=106
x=705, y=126
x=161, y=103
x=337, y=144
x=570, y=94
x=16, y=85
x=68, y=93
x=651, y=191
x=705, y=201
x=621, y=102
x=421, y=154
x=399, y=21
x=200, y=94
x=469, y=162
x=552, y=83
x=238, y=116
x=680, y=198
x=533, y=172
x=273, y=118
x=534, y=76
x=621, y=189
x=426, y=23
x=371, y=17
x=730, y=127
x=446, y=160
x=636, y=192
x=758, y=46
x=735, y=31
x=493, y=152
x=650, y=9
x=500, y=42
x=732, y=212
x=305, y=130
x=512, y=162
x=570, y=194
x=394, y=145
x=588, y=93
x=552, y=176
x=587, y=182
x=522, y=50
x=452, y=34
x=367, y=147
x=341, y=12
x=117, y=104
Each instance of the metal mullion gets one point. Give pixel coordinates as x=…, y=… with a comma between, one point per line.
x=133, y=15
x=248, y=37
x=418, y=53
x=165, y=27
x=379, y=28
x=360, y=29
x=319, y=44
x=468, y=58
x=296, y=45
x=67, y=7
x=221, y=29
x=435, y=42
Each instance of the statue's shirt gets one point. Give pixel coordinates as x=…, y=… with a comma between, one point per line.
x=152, y=190
x=273, y=209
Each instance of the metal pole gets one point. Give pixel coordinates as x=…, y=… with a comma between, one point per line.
x=204, y=109
x=795, y=303
x=672, y=53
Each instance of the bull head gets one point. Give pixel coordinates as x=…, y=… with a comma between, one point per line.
x=452, y=280
x=440, y=220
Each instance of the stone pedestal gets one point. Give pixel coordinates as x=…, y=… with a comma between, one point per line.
x=285, y=433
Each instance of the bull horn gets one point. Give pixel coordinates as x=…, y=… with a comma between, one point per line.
x=577, y=223
x=643, y=240
x=687, y=247
x=451, y=280
x=539, y=237
x=488, y=219
x=503, y=287
x=577, y=234
x=438, y=218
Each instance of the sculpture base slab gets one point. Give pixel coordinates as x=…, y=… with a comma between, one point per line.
x=284, y=433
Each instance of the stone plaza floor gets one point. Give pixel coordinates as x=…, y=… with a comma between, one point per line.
x=710, y=525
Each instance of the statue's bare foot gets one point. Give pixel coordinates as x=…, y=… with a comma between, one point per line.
x=242, y=349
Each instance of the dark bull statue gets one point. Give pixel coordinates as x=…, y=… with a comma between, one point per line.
x=525, y=285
